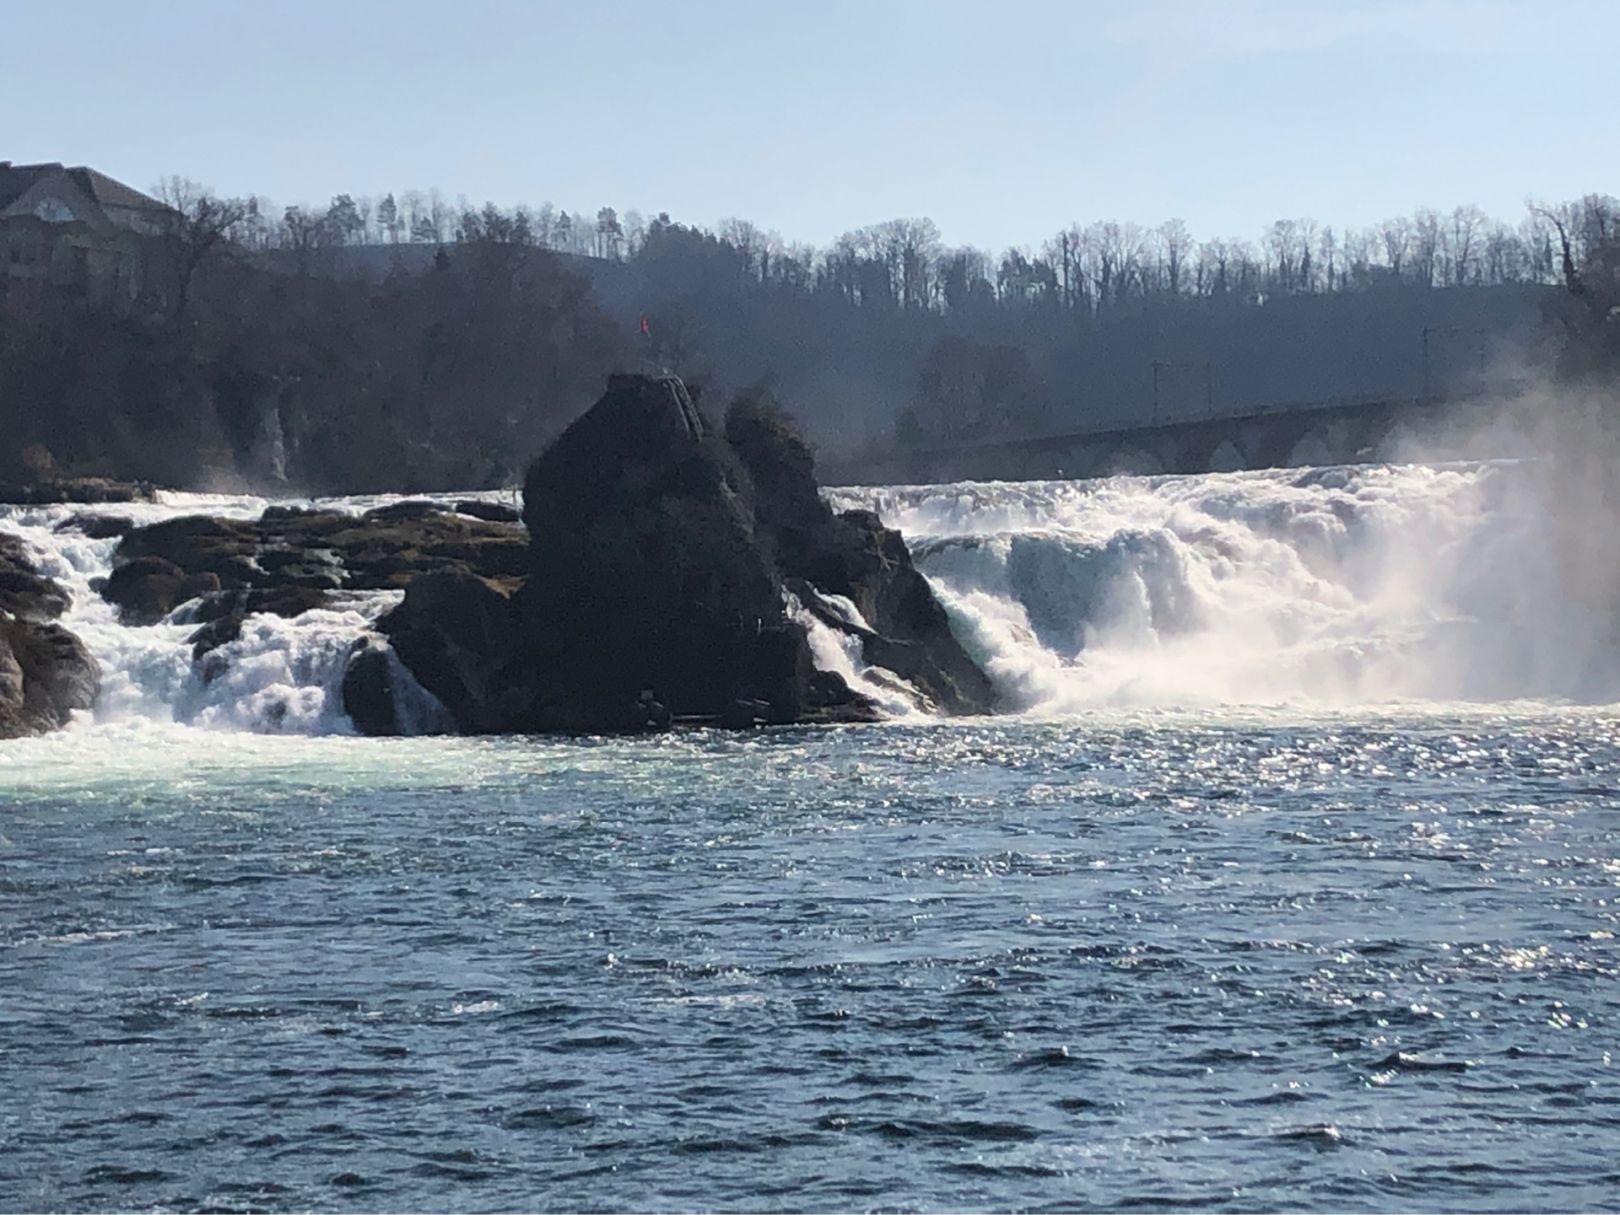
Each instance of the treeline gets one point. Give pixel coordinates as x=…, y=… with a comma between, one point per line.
x=906, y=263
x=478, y=333
x=893, y=335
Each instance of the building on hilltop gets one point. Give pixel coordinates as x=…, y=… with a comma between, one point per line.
x=78, y=229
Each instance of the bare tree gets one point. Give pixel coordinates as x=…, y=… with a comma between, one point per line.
x=1572, y=278
x=609, y=234
x=1503, y=255
x=635, y=231
x=1427, y=239
x=388, y=218
x=1466, y=225
x=750, y=244
x=1328, y=257
x=1063, y=251
x=1396, y=235
x=198, y=226
x=1175, y=245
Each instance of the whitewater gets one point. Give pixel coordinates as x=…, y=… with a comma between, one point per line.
x=1288, y=877
x=1322, y=587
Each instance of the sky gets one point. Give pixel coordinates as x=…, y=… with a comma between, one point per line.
x=1002, y=120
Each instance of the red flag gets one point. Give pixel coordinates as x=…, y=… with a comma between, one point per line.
x=645, y=328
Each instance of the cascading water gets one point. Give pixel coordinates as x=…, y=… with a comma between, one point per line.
x=279, y=676
x=1331, y=586
x=1334, y=585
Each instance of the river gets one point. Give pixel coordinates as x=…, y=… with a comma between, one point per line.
x=1289, y=879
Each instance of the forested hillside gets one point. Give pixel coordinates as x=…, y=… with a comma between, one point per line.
x=406, y=343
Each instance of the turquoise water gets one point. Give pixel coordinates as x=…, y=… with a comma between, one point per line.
x=1235, y=959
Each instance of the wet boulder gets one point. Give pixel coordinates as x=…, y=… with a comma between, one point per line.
x=457, y=634
x=371, y=691
x=24, y=591
x=147, y=589
x=46, y=675
x=382, y=698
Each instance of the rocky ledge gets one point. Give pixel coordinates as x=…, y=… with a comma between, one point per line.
x=46, y=674
x=293, y=559
x=75, y=489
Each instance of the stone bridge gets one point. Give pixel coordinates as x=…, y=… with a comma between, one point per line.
x=1344, y=430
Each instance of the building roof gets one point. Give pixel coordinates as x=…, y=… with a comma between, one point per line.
x=110, y=193
x=15, y=180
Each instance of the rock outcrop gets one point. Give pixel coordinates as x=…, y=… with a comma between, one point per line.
x=76, y=489
x=647, y=574
x=294, y=560
x=383, y=549
x=24, y=591
x=457, y=634
x=46, y=673
x=661, y=557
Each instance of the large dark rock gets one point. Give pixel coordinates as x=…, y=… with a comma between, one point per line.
x=46, y=675
x=147, y=589
x=383, y=700
x=457, y=633
x=371, y=692
x=660, y=551
x=24, y=591
x=646, y=573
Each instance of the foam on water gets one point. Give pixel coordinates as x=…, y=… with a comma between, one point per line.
x=278, y=676
x=840, y=652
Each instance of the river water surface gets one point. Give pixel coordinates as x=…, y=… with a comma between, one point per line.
x=1349, y=964
x=1205, y=921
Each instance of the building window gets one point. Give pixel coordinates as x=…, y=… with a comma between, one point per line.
x=54, y=211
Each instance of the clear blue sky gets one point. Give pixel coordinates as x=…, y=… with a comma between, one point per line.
x=1001, y=119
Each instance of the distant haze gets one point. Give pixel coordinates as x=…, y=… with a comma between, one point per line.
x=1003, y=123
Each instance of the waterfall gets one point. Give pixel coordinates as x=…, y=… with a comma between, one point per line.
x=1337, y=586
